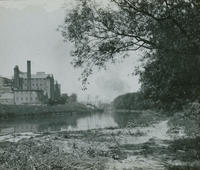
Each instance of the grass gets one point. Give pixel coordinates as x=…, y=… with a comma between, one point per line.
x=33, y=154
x=187, y=167
x=186, y=149
x=30, y=110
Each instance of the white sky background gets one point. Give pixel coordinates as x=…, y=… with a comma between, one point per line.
x=28, y=31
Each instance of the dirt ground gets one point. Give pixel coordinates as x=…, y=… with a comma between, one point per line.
x=151, y=147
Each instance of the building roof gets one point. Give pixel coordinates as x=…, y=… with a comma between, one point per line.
x=5, y=82
x=5, y=78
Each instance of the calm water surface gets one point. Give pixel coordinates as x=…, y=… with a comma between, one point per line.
x=68, y=121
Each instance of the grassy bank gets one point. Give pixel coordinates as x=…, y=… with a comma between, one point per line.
x=186, y=150
x=27, y=110
x=45, y=155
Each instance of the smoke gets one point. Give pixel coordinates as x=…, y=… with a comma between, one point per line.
x=112, y=85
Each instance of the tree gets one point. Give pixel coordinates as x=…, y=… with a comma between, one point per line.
x=168, y=33
x=65, y=97
x=131, y=101
x=72, y=98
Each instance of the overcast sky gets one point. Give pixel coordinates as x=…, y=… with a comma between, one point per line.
x=28, y=32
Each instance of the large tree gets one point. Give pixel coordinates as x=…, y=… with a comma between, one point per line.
x=167, y=32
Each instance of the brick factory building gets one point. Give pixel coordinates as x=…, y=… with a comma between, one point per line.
x=28, y=88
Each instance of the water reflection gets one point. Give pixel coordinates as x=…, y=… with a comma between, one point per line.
x=67, y=121
x=122, y=118
x=96, y=121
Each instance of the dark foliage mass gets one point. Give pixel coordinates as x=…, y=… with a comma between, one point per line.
x=167, y=32
x=131, y=101
x=63, y=99
x=186, y=150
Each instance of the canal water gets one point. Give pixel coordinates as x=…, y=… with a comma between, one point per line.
x=59, y=122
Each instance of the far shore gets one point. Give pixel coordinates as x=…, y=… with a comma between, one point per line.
x=7, y=111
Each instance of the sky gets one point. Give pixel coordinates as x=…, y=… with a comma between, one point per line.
x=28, y=31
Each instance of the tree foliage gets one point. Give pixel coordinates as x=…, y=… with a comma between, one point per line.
x=72, y=98
x=168, y=33
x=188, y=119
x=131, y=101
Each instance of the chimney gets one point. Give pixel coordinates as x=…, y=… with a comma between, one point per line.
x=28, y=75
x=16, y=81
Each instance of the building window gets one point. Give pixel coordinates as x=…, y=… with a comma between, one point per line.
x=21, y=98
x=26, y=98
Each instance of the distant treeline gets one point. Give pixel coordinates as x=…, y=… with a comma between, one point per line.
x=140, y=101
x=131, y=101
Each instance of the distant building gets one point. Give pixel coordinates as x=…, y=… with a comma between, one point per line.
x=27, y=88
x=38, y=81
x=33, y=97
x=7, y=98
x=5, y=85
x=6, y=94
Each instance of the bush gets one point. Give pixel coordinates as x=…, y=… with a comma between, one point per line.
x=188, y=119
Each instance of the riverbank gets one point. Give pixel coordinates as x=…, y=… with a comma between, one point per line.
x=102, y=149
x=7, y=111
x=146, y=142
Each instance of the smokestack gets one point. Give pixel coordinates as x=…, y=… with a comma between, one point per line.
x=16, y=82
x=28, y=75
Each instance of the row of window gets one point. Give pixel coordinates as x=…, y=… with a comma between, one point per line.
x=22, y=92
x=24, y=98
x=6, y=101
x=34, y=84
x=35, y=79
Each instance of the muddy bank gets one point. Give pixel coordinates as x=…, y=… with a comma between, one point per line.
x=111, y=148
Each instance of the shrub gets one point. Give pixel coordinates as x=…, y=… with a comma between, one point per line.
x=188, y=119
